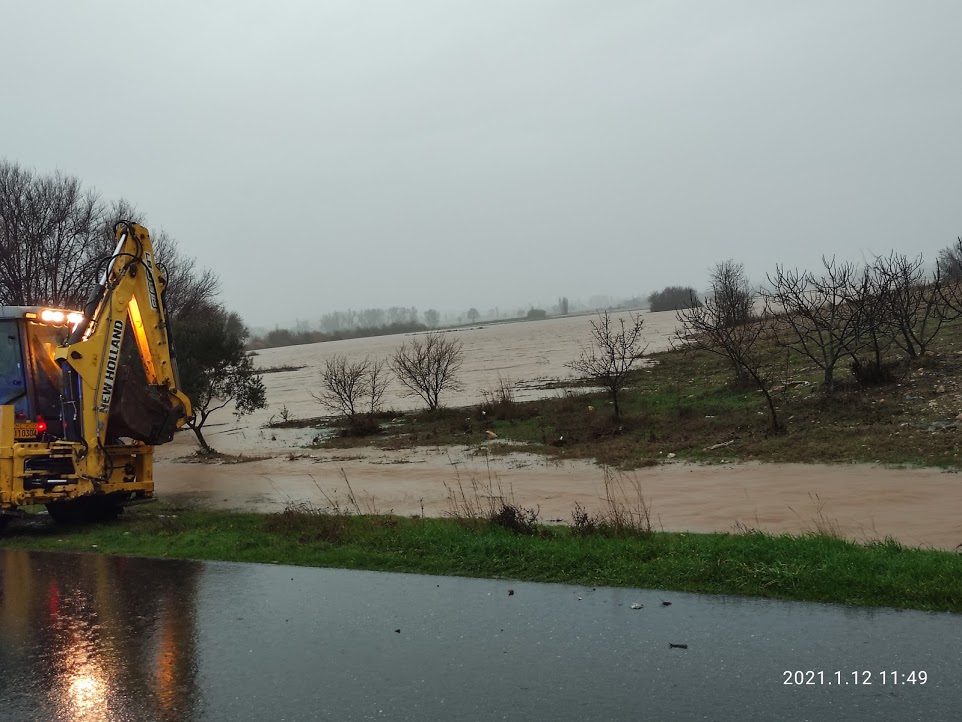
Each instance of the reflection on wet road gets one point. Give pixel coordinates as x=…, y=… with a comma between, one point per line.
x=86, y=638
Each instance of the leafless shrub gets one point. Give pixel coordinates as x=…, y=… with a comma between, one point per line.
x=501, y=393
x=517, y=520
x=283, y=416
x=627, y=511
x=498, y=401
x=614, y=351
x=307, y=522
x=428, y=366
x=583, y=523
x=741, y=528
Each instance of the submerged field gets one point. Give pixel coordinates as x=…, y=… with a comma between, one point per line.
x=685, y=406
x=887, y=455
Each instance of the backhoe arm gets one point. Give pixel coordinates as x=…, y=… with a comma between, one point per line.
x=105, y=396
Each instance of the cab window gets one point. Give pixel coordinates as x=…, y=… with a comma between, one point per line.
x=46, y=375
x=13, y=387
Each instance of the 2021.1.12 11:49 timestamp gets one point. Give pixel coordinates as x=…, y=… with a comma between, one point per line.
x=864, y=677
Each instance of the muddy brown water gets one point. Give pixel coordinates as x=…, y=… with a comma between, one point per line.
x=525, y=354
x=919, y=507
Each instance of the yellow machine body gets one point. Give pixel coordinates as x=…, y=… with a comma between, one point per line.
x=85, y=396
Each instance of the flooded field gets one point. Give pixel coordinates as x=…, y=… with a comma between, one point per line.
x=917, y=506
x=526, y=354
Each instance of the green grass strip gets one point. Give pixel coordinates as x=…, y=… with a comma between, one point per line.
x=809, y=567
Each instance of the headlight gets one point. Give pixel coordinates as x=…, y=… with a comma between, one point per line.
x=56, y=317
x=49, y=315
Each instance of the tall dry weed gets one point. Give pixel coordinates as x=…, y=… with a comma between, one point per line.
x=626, y=511
x=480, y=502
x=820, y=524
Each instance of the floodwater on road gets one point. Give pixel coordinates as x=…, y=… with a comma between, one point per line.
x=85, y=637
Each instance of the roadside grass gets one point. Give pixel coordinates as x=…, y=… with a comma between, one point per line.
x=684, y=404
x=813, y=567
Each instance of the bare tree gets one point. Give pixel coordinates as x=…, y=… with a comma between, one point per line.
x=732, y=293
x=877, y=324
x=376, y=383
x=48, y=238
x=55, y=237
x=473, y=315
x=821, y=317
x=915, y=303
x=346, y=385
x=428, y=366
x=343, y=384
x=613, y=353
x=432, y=318
x=709, y=327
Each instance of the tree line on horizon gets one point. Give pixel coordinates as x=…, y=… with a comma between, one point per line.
x=340, y=325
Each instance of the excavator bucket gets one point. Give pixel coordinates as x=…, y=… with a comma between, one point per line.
x=142, y=412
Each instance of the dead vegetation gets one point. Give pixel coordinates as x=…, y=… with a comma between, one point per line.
x=624, y=513
x=476, y=502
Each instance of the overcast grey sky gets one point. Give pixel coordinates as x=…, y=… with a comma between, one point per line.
x=321, y=155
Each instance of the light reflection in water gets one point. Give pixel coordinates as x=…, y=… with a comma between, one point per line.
x=86, y=695
x=97, y=641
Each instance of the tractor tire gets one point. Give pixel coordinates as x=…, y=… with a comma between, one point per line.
x=85, y=509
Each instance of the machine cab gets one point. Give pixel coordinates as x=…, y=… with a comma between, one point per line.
x=30, y=379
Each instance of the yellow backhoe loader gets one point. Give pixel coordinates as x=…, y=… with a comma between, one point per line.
x=86, y=395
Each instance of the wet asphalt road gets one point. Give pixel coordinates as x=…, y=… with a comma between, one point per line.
x=85, y=637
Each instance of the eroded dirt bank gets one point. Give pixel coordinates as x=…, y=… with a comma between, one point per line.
x=919, y=507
